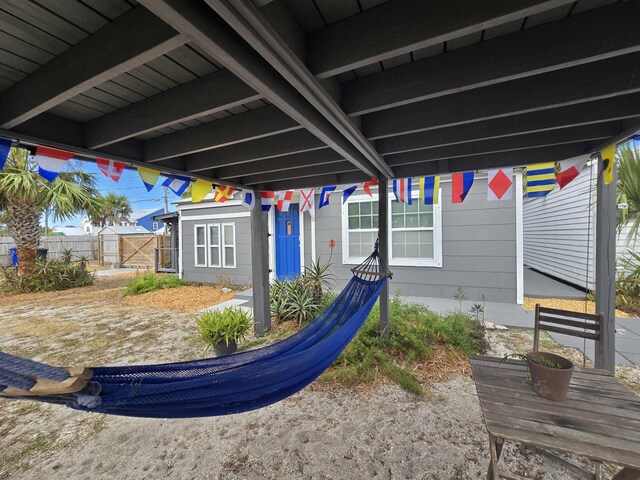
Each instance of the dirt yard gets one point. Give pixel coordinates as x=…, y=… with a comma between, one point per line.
x=321, y=433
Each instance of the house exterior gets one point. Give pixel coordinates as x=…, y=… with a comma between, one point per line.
x=434, y=250
x=144, y=218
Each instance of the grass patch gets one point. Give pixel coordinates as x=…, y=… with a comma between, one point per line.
x=415, y=333
x=43, y=327
x=150, y=283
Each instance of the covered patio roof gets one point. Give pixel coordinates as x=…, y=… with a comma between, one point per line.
x=293, y=93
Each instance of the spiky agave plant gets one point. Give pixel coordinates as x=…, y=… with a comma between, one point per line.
x=24, y=196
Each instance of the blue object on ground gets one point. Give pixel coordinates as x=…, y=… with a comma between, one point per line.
x=14, y=256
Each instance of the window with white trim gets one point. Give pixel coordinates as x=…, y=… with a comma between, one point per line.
x=215, y=245
x=415, y=237
x=155, y=226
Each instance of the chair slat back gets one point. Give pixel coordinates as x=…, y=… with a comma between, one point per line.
x=576, y=324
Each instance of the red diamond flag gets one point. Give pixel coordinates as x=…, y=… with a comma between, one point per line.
x=500, y=184
x=570, y=169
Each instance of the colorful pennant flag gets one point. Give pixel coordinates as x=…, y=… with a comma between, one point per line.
x=325, y=194
x=51, y=161
x=541, y=179
x=347, y=192
x=429, y=189
x=177, y=184
x=371, y=183
x=307, y=199
x=500, y=184
x=608, y=161
x=267, y=200
x=284, y=200
x=200, y=190
x=5, y=147
x=149, y=177
x=460, y=186
x=110, y=168
x=223, y=193
x=402, y=190
x=570, y=169
x=248, y=199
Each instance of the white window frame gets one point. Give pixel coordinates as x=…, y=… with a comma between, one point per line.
x=209, y=245
x=225, y=245
x=196, y=245
x=155, y=225
x=436, y=262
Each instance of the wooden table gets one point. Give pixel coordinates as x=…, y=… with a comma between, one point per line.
x=600, y=419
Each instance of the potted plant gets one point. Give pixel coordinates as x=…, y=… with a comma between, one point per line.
x=221, y=330
x=550, y=374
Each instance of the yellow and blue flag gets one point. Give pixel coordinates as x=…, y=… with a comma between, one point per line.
x=429, y=188
x=149, y=177
x=541, y=179
x=177, y=184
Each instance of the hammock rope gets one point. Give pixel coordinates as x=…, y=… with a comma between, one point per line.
x=214, y=386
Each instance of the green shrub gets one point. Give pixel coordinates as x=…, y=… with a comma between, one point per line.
x=229, y=325
x=149, y=283
x=48, y=275
x=628, y=285
x=294, y=300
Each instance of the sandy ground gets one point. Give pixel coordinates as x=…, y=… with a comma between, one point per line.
x=320, y=433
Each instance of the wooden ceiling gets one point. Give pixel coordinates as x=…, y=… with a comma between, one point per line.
x=292, y=93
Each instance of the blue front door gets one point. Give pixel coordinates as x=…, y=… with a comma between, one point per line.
x=288, y=243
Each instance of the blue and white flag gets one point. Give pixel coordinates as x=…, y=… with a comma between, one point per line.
x=5, y=146
x=177, y=184
x=347, y=192
x=325, y=194
x=248, y=199
x=51, y=161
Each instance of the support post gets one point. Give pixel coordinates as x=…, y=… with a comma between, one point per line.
x=605, y=251
x=383, y=235
x=260, y=269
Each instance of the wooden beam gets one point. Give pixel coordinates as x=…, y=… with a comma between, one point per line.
x=383, y=248
x=402, y=26
x=214, y=36
x=268, y=147
x=309, y=159
x=307, y=182
x=209, y=94
x=300, y=172
x=608, y=78
x=260, y=269
x=251, y=125
x=131, y=40
x=598, y=131
x=548, y=47
x=600, y=111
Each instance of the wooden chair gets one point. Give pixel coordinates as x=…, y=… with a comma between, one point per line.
x=576, y=324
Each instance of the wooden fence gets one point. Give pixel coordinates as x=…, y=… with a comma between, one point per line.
x=82, y=245
x=131, y=251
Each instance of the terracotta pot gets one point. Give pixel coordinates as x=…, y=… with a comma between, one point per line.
x=222, y=348
x=550, y=383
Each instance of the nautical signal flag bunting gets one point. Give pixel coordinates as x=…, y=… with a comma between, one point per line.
x=5, y=147
x=266, y=199
x=460, y=186
x=149, y=177
x=325, y=194
x=402, y=190
x=284, y=200
x=570, y=169
x=110, y=168
x=306, y=199
x=51, y=161
x=429, y=189
x=177, y=184
x=541, y=179
x=500, y=184
x=608, y=161
x=200, y=190
x=223, y=193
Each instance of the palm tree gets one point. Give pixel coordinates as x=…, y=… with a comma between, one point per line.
x=112, y=208
x=24, y=196
x=629, y=187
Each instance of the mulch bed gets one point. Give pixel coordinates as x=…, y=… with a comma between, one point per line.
x=190, y=298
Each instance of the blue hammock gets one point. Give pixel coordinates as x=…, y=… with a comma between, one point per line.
x=214, y=386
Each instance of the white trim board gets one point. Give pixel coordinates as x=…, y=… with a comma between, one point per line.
x=216, y=216
x=519, y=239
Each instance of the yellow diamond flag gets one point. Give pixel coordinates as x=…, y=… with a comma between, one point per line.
x=200, y=189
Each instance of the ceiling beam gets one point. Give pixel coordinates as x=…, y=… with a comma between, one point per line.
x=584, y=83
x=309, y=159
x=548, y=47
x=214, y=36
x=268, y=147
x=598, y=131
x=402, y=26
x=251, y=125
x=307, y=182
x=133, y=39
x=300, y=172
x=209, y=94
x=600, y=111
x=495, y=160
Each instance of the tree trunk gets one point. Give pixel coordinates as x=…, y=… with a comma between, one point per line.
x=26, y=260
x=23, y=222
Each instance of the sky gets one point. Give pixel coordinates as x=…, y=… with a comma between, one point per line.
x=129, y=185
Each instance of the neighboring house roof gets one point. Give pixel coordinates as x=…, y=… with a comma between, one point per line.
x=123, y=230
x=70, y=230
x=138, y=214
x=163, y=217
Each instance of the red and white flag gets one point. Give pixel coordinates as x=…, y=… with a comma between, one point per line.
x=306, y=199
x=284, y=200
x=266, y=199
x=570, y=169
x=51, y=161
x=110, y=168
x=500, y=184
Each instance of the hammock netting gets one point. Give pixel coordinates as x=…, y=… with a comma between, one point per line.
x=213, y=386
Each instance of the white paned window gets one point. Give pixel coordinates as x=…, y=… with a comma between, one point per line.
x=415, y=237
x=215, y=254
x=200, y=236
x=229, y=245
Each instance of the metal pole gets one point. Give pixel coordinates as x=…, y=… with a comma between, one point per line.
x=605, y=251
x=383, y=234
x=260, y=269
